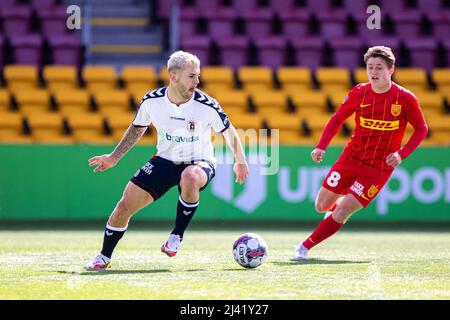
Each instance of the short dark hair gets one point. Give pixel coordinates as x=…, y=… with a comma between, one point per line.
x=382, y=52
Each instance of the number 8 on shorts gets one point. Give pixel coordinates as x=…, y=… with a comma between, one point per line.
x=333, y=179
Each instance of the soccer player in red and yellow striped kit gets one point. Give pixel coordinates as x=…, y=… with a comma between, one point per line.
x=382, y=111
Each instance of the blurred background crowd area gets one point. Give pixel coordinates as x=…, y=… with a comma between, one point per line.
x=284, y=64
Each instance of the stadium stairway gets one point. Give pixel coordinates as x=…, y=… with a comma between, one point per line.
x=121, y=33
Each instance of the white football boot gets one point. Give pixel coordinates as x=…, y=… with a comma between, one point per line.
x=171, y=246
x=99, y=262
x=300, y=252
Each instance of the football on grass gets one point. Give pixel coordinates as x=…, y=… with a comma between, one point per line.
x=250, y=250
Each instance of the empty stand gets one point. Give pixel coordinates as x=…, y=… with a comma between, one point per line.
x=309, y=104
x=11, y=129
x=33, y=101
x=295, y=22
x=198, y=45
x=414, y=79
x=72, y=102
x=115, y=101
x=138, y=78
x=308, y=51
x=271, y=51
x=233, y=51
x=27, y=48
x=270, y=102
x=88, y=129
x=48, y=128
x=19, y=77
x=441, y=76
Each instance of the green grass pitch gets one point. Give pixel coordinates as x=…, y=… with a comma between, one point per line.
x=353, y=264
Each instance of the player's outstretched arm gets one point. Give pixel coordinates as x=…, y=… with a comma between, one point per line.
x=129, y=139
x=240, y=166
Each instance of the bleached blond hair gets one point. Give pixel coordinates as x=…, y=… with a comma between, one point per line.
x=179, y=59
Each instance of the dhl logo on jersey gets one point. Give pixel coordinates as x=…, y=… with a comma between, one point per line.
x=379, y=124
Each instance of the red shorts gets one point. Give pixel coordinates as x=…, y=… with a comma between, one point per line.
x=349, y=177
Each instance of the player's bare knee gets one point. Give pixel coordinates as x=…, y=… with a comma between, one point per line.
x=190, y=179
x=321, y=207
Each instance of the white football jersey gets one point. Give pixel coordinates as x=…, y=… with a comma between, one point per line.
x=184, y=131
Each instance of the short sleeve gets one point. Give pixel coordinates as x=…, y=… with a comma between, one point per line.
x=143, y=117
x=220, y=121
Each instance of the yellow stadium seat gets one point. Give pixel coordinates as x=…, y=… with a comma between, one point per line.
x=285, y=122
x=48, y=128
x=311, y=103
x=4, y=101
x=430, y=100
x=256, y=79
x=112, y=101
x=317, y=122
x=247, y=121
x=337, y=98
x=21, y=77
x=99, y=78
x=88, y=129
x=360, y=75
x=139, y=78
x=60, y=77
x=234, y=103
x=164, y=76
x=270, y=102
x=413, y=79
x=332, y=79
x=437, y=121
x=72, y=101
x=295, y=79
x=11, y=127
x=216, y=79
x=441, y=76
x=33, y=101
x=119, y=123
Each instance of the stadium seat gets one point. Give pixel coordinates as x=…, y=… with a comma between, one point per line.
x=391, y=42
x=21, y=77
x=116, y=101
x=441, y=23
x=271, y=51
x=317, y=123
x=360, y=75
x=441, y=76
x=99, y=78
x=88, y=129
x=189, y=17
x=66, y=49
x=294, y=79
x=48, y=128
x=346, y=52
x=220, y=22
x=423, y=52
x=333, y=23
x=258, y=22
x=198, y=45
x=27, y=49
x=60, y=77
x=256, y=79
x=270, y=102
x=119, y=123
x=234, y=103
x=284, y=122
x=11, y=129
x=414, y=79
x=248, y=121
x=407, y=24
x=333, y=79
x=164, y=76
x=295, y=22
x=139, y=78
x=308, y=51
x=33, y=101
x=52, y=19
x=354, y=7
x=217, y=79
x=244, y=6
x=4, y=101
x=337, y=98
x=430, y=100
x=311, y=103
x=72, y=102
x=2, y=51
x=233, y=51
x=16, y=19
x=364, y=32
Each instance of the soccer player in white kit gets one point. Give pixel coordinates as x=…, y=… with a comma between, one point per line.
x=183, y=117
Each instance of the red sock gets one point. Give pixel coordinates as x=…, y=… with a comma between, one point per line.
x=324, y=230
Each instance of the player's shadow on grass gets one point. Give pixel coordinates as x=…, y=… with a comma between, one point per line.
x=110, y=272
x=318, y=261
